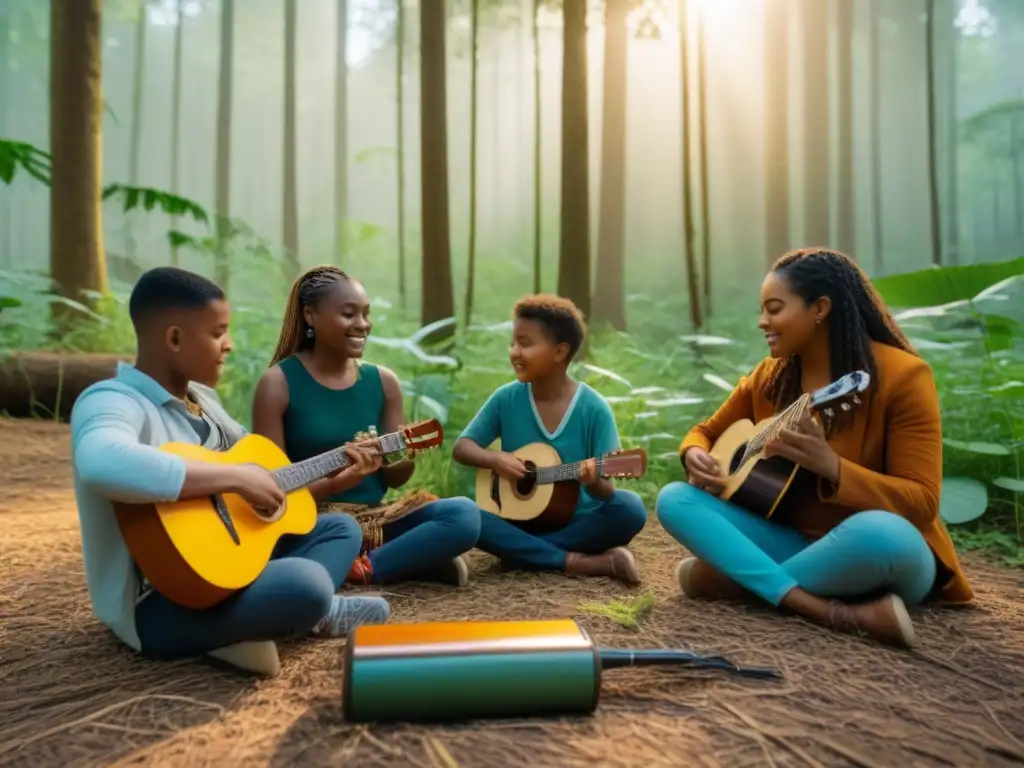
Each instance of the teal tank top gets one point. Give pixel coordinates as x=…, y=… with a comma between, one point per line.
x=320, y=419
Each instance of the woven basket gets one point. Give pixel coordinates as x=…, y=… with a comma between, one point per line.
x=373, y=519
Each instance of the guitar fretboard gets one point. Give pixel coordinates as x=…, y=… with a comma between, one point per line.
x=302, y=473
x=562, y=472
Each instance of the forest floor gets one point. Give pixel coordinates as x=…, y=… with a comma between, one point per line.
x=71, y=695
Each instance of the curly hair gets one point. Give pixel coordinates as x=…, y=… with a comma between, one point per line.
x=562, y=319
x=307, y=290
x=858, y=317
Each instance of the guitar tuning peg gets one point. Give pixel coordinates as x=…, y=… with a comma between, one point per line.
x=829, y=412
x=856, y=400
x=845, y=406
x=373, y=430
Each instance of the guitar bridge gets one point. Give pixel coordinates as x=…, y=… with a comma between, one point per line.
x=222, y=513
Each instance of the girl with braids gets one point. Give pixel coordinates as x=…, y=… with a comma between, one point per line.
x=858, y=536
x=318, y=393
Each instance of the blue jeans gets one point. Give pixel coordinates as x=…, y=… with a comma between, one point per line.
x=867, y=552
x=613, y=524
x=426, y=539
x=288, y=599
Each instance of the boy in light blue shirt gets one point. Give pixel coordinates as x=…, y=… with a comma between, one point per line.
x=181, y=323
x=546, y=405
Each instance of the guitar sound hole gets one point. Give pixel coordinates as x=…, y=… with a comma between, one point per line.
x=525, y=485
x=736, y=459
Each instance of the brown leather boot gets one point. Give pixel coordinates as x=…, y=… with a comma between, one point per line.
x=697, y=579
x=617, y=563
x=885, y=620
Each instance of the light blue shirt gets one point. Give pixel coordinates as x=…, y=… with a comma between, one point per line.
x=116, y=428
x=587, y=430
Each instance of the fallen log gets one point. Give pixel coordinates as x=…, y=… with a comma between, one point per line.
x=45, y=384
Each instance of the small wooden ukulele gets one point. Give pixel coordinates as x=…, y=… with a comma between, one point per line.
x=548, y=493
x=756, y=483
x=197, y=552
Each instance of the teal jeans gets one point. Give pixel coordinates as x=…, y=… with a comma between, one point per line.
x=868, y=552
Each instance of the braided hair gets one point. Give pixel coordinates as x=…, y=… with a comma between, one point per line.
x=307, y=290
x=858, y=317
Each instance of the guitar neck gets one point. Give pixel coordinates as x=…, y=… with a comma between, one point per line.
x=561, y=472
x=303, y=473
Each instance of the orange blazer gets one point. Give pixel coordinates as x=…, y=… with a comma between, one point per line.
x=890, y=457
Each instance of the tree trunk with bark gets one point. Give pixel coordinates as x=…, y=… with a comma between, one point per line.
x=875, y=90
x=135, y=142
x=400, y=147
x=846, y=201
x=814, y=18
x=222, y=182
x=438, y=301
x=574, y=235
x=689, y=247
x=610, y=290
x=537, y=146
x=341, y=225
x=935, y=212
x=77, y=262
x=42, y=384
x=179, y=41
x=776, y=130
x=290, y=192
x=474, y=87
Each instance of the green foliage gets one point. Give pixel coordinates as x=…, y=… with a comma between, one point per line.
x=969, y=327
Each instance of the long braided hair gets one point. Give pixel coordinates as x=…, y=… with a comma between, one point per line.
x=307, y=290
x=858, y=317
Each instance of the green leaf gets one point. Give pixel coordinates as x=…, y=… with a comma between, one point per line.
x=963, y=500
x=990, y=449
x=937, y=286
x=1010, y=484
x=9, y=302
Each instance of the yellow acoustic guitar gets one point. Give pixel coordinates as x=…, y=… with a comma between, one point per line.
x=200, y=551
x=547, y=495
x=755, y=482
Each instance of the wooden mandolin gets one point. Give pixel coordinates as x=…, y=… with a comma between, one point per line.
x=198, y=552
x=758, y=483
x=547, y=495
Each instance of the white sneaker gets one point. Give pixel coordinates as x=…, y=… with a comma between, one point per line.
x=258, y=656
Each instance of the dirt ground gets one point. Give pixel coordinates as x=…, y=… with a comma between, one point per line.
x=71, y=695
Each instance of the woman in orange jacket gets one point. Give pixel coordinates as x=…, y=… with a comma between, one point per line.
x=857, y=537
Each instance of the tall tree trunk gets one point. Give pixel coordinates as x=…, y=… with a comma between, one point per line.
x=776, y=130
x=610, y=292
x=77, y=262
x=497, y=89
x=935, y=214
x=689, y=248
x=874, y=74
x=179, y=39
x=538, y=186
x=1016, y=134
x=135, y=142
x=290, y=195
x=705, y=173
x=953, y=246
x=222, y=181
x=437, y=300
x=5, y=202
x=400, y=146
x=341, y=224
x=474, y=71
x=814, y=18
x=574, y=237
x=846, y=218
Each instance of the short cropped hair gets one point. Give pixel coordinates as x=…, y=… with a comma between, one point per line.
x=166, y=288
x=560, y=317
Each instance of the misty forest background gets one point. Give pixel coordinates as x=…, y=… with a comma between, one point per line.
x=647, y=158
